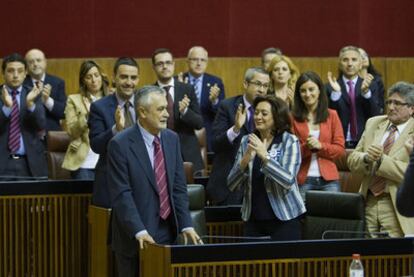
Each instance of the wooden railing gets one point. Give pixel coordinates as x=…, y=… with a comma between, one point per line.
x=296, y=259
x=44, y=234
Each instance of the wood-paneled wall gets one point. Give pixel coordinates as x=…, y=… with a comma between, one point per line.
x=231, y=70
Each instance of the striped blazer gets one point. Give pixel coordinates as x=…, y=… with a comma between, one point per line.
x=280, y=178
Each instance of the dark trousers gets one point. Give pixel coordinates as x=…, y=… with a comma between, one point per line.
x=16, y=169
x=277, y=229
x=129, y=266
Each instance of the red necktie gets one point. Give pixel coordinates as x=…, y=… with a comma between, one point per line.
x=353, y=123
x=161, y=179
x=378, y=184
x=14, y=129
x=170, y=108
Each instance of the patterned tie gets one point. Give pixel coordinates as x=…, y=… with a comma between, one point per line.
x=251, y=119
x=161, y=179
x=378, y=184
x=14, y=129
x=197, y=89
x=127, y=114
x=353, y=123
x=170, y=108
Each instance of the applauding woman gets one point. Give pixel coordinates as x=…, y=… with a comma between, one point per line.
x=266, y=166
x=320, y=134
x=79, y=158
x=283, y=73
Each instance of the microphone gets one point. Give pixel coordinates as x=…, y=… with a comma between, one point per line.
x=344, y=232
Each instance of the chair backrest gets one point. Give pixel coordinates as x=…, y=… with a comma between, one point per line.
x=202, y=141
x=334, y=215
x=197, y=200
x=57, y=143
x=350, y=182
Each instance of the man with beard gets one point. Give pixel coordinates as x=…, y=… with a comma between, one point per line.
x=183, y=108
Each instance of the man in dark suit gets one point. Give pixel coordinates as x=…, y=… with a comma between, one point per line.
x=351, y=96
x=148, y=189
x=234, y=119
x=183, y=107
x=21, y=117
x=52, y=88
x=208, y=88
x=405, y=195
x=109, y=116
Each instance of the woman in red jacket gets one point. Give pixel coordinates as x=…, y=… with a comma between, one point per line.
x=320, y=134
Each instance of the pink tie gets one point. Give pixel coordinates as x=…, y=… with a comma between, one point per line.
x=161, y=179
x=353, y=123
x=14, y=130
x=378, y=184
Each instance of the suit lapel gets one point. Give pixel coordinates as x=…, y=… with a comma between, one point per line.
x=344, y=90
x=139, y=149
x=404, y=136
x=379, y=132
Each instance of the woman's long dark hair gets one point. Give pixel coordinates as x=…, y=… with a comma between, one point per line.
x=300, y=111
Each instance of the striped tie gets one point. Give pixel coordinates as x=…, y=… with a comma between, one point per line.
x=14, y=130
x=161, y=179
x=378, y=184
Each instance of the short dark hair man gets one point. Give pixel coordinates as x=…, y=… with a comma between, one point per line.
x=268, y=54
x=109, y=116
x=22, y=116
x=185, y=116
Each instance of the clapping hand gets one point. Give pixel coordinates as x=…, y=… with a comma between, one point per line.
x=333, y=82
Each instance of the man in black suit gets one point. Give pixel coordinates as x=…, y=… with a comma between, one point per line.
x=148, y=189
x=405, y=195
x=208, y=88
x=22, y=116
x=185, y=116
x=107, y=117
x=52, y=88
x=234, y=119
x=351, y=96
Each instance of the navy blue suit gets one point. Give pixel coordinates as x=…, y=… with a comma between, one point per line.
x=208, y=110
x=100, y=122
x=365, y=108
x=405, y=195
x=134, y=192
x=225, y=152
x=30, y=125
x=59, y=97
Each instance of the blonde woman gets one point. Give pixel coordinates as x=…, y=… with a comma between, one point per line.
x=79, y=158
x=283, y=74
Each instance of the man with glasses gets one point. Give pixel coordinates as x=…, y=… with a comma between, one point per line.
x=234, y=119
x=183, y=109
x=208, y=88
x=381, y=157
x=354, y=99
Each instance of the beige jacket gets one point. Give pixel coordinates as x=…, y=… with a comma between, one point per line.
x=392, y=167
x=76, y=114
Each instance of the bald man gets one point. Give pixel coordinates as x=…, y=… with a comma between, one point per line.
x=52, y=88
x=208, y=88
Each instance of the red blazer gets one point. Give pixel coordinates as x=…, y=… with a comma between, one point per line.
x=332, y=139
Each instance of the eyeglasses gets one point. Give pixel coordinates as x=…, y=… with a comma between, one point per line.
x=197, y=60
x=396, y=103
x=162, y=64
x=259, y=84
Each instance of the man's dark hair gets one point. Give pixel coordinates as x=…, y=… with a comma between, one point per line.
x=159, y=51
x=15, y=57
x=125, y=61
